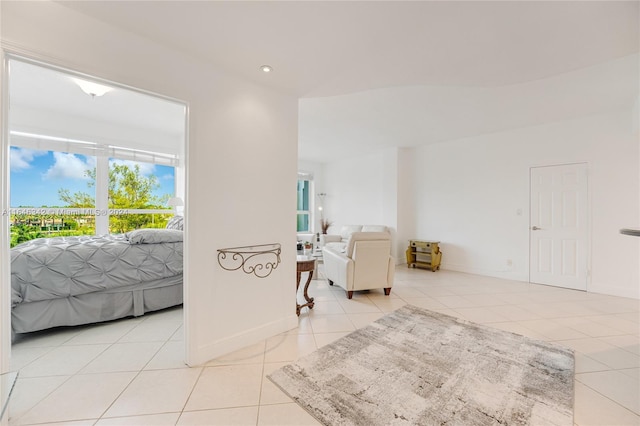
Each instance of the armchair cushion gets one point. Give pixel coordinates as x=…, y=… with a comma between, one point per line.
x=374, y=228
x=364, y=236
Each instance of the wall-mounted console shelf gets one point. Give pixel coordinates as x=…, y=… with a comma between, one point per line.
x=259, y=260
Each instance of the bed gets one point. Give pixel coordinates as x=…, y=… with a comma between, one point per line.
x=67, y=281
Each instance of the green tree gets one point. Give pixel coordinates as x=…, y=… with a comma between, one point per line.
x=128, y=189
x=22, y=233
x=80, y=199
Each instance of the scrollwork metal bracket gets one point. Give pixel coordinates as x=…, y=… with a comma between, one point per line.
x=259, y=260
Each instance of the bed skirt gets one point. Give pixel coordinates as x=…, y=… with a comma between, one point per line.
x=97, y=306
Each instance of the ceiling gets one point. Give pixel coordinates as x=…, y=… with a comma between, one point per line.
x=326, y=48
x=394, y=73
x=49, y=102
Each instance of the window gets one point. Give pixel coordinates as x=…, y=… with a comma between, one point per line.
x=304, y=208
x=138, y=195
x=87, y=164
x=53, y=193
x=45, y=194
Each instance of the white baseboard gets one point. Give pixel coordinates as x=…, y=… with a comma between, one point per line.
x=238, y=341
x=633, y=293
x=507, y=275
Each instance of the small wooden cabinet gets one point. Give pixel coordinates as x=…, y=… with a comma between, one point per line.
x=424, y=254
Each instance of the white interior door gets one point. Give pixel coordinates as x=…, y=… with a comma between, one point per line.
x=558, y=228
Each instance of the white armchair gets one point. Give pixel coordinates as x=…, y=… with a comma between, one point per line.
x=364, y=264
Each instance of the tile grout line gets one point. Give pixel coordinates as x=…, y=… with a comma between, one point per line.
x=604, y=396
x=407, y=300
x=202, y=368
x=262, y=378
x=69, y=377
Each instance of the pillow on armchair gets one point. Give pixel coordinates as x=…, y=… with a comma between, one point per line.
x=363, y=236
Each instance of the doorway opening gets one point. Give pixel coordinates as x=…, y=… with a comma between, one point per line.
x=92, y=162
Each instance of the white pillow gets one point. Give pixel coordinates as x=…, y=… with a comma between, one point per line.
x=374, y=228
x=347, y=230
x=154, y=236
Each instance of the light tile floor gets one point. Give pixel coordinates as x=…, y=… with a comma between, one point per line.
x=130, y=372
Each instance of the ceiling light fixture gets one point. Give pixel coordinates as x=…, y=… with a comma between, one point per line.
x=266, y=68
x=92, y=89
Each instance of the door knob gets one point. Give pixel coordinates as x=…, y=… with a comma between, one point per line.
x=535, y=228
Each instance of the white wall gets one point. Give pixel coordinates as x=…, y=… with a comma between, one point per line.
x=473, y=195
x=407, y=218
x=241, y=163
x=415, y=115
x=363, y=190
x=479, y=184
x=375, y=188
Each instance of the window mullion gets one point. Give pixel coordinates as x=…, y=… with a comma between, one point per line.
x=102, y=194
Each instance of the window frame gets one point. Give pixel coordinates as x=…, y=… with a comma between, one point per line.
x=309, y=213
x=102, y=153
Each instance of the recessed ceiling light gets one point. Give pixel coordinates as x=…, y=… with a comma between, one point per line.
x=266, y=68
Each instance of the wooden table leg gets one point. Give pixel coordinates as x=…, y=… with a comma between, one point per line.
x=310, y=303
x=299, y=275
x=306, y=289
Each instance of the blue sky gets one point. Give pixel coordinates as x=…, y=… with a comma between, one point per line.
x=36, y=176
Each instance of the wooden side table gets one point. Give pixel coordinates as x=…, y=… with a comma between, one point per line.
x=304, y=264
x=424, y=254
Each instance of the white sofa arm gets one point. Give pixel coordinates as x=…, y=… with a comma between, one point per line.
x=338, y=268
x=328, y=238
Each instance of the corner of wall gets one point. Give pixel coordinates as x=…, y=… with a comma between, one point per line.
x=238, y=341
x=5, y=261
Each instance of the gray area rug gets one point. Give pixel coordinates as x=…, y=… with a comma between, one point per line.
x=417, y=367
